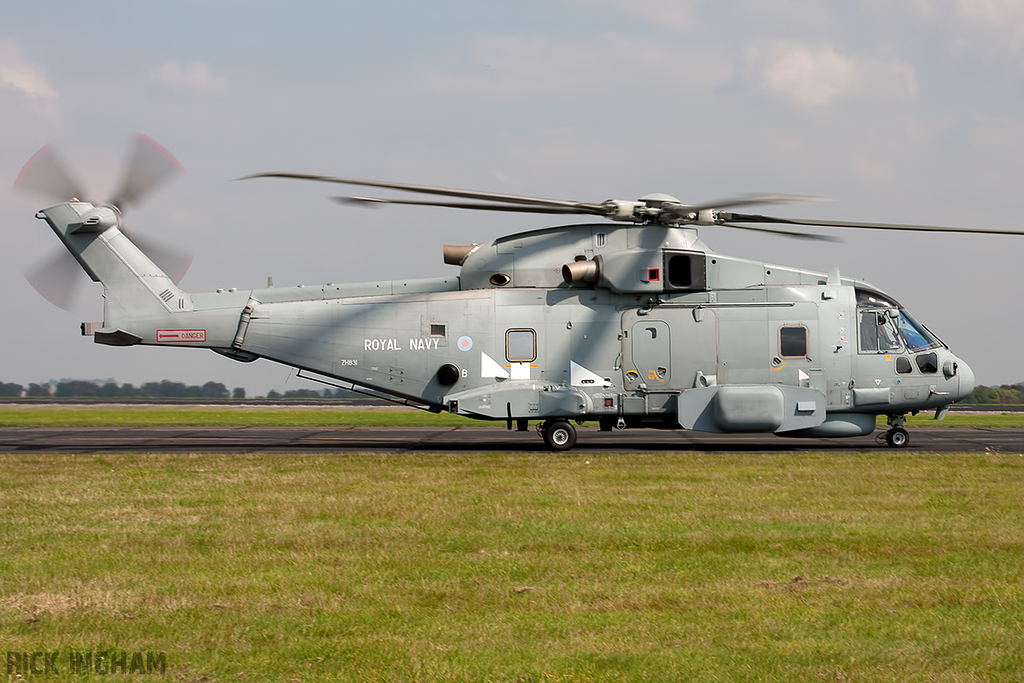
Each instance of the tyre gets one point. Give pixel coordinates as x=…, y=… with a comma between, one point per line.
x=897, y=437
x=559, y=435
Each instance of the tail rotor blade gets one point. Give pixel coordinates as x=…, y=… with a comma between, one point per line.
x=57, y=279
x=149, y=166
x=44, y=174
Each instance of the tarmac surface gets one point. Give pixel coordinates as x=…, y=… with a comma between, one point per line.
x=489, y=438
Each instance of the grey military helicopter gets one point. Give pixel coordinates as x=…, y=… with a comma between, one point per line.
x=630, y=323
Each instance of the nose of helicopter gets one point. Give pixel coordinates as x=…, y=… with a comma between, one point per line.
x=966, y=376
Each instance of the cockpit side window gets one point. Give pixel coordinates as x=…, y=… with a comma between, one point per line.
x=878, y=332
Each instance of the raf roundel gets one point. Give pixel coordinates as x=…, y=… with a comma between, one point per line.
x=465, y=343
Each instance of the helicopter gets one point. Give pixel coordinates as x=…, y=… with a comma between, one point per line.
x=627, y=321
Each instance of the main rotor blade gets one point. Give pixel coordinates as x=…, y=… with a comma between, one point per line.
x=786, y=233
x=518, y=208
x=149, y=166
x=57, y=278
x=754, y=218
x=427, y=189
x=45, y=175
x=754, y=198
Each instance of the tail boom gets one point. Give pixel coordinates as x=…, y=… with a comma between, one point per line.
x=142, y=304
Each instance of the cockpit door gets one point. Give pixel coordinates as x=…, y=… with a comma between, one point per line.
x=838, y=339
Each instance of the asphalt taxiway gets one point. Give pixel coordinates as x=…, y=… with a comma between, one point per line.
x=489, y=438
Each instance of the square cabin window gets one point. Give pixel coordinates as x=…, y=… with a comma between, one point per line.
x=521, y=346
x=793, y=341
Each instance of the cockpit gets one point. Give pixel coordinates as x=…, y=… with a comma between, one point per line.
x=887, y=328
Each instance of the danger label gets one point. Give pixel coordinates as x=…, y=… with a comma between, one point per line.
x=181, y=335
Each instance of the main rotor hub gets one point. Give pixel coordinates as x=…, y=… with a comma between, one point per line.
x=656, y=200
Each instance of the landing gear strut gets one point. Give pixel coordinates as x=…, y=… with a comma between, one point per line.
x=558, y=434
x=897, y=436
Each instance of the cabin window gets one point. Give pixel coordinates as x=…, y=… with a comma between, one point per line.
x=793, y=341
x=521, y=346
x=436, y=330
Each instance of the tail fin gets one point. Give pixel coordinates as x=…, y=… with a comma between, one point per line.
x=137, y=293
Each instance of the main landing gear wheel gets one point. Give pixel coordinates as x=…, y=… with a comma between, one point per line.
x=559, y=435
x=897, y=437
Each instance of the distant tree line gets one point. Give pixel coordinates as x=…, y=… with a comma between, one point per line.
x=163, y=389
x=1005, y=394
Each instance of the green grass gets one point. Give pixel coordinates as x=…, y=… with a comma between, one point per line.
x=494, y=567
x=959, y=420
x=200, y=416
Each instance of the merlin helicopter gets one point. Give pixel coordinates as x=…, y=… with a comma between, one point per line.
x=628, y=320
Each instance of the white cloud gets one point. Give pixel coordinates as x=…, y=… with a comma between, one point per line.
x=20, y=76
x=810, y=77
x=817, y=77
x=196, y=78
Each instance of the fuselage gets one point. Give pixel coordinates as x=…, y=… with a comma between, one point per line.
x=638, y=325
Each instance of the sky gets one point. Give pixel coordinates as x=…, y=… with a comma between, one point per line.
x=896, y=112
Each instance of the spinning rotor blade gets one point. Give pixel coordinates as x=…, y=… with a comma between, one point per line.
x=57, y=279
x=149, y=166
x=750, y=199
x=729, y=218
x=494, y=201
x=594, y=209
x=519, y=208
x=44, y=174
x=785, y=233
x=650, y=209
x=443, y=191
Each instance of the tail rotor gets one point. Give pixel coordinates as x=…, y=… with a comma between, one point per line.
x=149, y=165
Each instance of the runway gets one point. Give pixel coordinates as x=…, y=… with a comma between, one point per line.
x=489, y=438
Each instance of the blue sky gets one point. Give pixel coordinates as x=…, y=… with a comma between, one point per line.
x=906, y=112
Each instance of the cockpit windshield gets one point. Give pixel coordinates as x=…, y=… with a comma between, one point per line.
x=879, y=318
x=915, y=334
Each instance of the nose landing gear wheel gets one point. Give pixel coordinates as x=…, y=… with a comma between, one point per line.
x=897, y=437
x=559, y=435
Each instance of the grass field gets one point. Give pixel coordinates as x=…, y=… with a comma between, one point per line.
x=201, y=416
x=888, y=566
